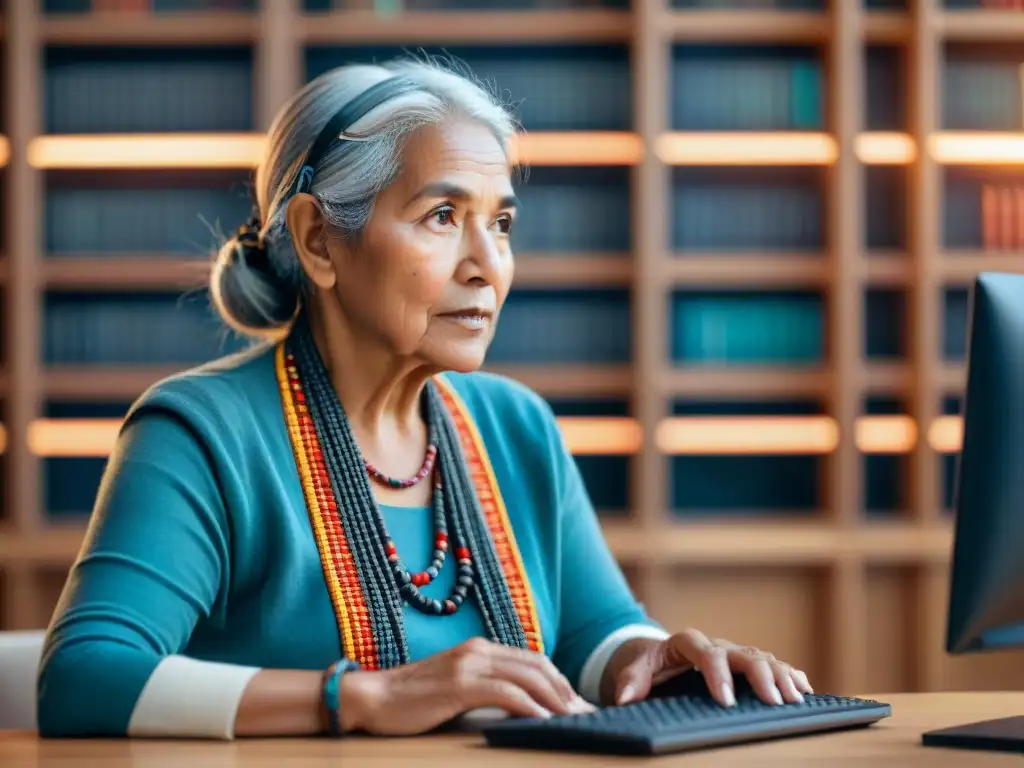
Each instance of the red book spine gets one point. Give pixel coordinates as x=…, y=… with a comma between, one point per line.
x=1018, y=216
x=989, y=218
x=1007, y=218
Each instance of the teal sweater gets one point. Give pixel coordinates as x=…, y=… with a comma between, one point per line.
x=200, y=545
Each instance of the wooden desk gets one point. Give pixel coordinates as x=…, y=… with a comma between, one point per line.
x=893, y=742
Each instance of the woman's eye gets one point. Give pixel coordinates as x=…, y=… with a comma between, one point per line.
x=444, y=216
x=504, y=224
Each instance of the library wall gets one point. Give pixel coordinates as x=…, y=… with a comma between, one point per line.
x=743, y=271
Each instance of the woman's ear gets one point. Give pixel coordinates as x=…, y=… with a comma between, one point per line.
x=308, y=229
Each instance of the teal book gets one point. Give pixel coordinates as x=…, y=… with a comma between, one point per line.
x=805, y=96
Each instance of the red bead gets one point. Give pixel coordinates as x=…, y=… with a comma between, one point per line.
x=450, y=607
x=420, y=579
x=442, y=545
x=462, y=553
x=442, y=536
x=390, y=548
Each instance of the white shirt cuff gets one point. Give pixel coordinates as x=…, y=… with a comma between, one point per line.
x=593, y=668
x=188, y=698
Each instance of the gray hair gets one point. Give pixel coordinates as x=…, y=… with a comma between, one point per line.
x=261, y=300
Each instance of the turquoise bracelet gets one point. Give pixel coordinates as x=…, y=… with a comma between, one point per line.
x=332, y=692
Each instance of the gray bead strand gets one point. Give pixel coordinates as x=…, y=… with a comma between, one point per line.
x=338, y=445
x=491, y=582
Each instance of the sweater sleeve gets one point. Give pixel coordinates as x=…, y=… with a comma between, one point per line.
x=598, y=610
x=155, y=560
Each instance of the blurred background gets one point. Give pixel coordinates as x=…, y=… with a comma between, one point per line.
x=743, y=274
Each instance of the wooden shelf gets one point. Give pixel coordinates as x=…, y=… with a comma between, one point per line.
x=560, y=271
x=771, y=270
x=693, y=270
x=750, y=541
x=232, y=150
x=766, y=271
x=123, y=273
x=745, y=26
x=153, y=151
x=951, y=378
x=790, y=27
x=772, y=383
x=476, y=27
x=888, y=379
x=887, y=269
x=53, y=546
x=746, y=541
x=145, y=272
x=99, y=384
x=762, y=383
x=485, y=27
x=96, y=384
x=890, y=27
x=980, y=26
x=962, y=267
x=214, y=28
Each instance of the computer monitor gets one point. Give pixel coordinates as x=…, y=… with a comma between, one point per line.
x=986, y=599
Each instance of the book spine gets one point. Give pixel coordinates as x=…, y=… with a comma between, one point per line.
x=1006, y=215
x=989, y=218
x=1018, y=217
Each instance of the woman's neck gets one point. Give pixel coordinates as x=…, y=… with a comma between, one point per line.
x=380, y=391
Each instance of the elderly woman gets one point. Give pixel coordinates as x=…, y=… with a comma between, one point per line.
x=346, y=528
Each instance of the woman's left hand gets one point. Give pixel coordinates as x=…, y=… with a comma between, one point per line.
x=642, y=664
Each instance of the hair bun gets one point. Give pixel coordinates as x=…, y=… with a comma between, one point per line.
x=247, y=292
x=249, y=245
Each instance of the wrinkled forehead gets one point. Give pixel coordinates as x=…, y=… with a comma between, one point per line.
x=462, y=155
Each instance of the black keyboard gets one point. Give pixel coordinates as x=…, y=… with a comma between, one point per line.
x=680, y=723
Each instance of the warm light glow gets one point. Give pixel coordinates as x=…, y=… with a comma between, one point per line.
x=737, y=435
x=885, y=434
x=568, y=148
x=977, y=148
x=946, y=434
x=244, y=150
x=596, y=436
x=5, y=151
x=73, y=438
x=152, y=150
x=578, y=148
x=614, y=436
x=746, y=148
x=885, y=148
x=96, y=437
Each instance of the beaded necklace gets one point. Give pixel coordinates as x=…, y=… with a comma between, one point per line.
x=364, y=576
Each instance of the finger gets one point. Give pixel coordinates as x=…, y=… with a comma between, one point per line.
x=683, y=650
x=800, y=680
x=494, y=692
x=709, y=657
x=755, y=665
x=539, y=686
x=544, y=667
x=784, y=682
x=636, y=679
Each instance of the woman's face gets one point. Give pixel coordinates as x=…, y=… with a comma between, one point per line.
x=434, y=265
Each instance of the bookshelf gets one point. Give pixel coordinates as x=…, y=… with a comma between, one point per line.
x=815, y=567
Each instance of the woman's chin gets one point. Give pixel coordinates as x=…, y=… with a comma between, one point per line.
x=461, y=358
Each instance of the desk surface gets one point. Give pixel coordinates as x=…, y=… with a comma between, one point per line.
x=893, y=742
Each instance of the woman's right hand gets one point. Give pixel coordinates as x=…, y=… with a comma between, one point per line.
x=418, y=697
